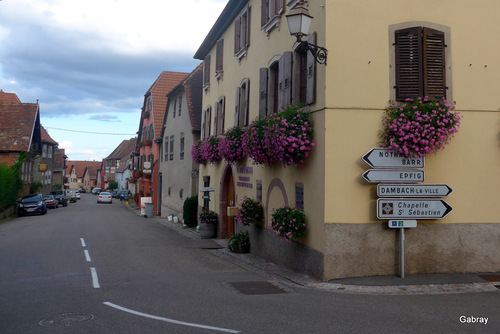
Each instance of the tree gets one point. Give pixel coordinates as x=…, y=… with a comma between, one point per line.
x=113, y=185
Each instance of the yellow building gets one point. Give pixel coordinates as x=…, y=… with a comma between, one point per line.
x=253, y=66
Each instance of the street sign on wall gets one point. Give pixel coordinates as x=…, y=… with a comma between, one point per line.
x=383, y=158
x=412, y=209
x=413, y=190
x=394, y=175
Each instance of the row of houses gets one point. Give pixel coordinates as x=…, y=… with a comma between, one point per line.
x=371, y=54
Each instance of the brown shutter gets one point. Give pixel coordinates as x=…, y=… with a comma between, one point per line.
x=263, y=92
x=281, y=5
x=409, y=78
x=203, y=121
x=237, y=35
x=209, y=121
x=247, y=103
x=247, y=28
x=220, y=55
x=264, y=13
x=285, y=79
x=206, y=70
x=434, y=64
x=222, y=114
x=216, y=118
x=237, y=106
x=311, y=74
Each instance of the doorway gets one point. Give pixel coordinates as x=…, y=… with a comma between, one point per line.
x=228, y=198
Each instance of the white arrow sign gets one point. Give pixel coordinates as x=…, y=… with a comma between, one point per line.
x=383, y=158
x=412, y=209
x=413, y=190
x=393, y=175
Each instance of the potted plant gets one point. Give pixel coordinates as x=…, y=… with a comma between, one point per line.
x=145, y=115
x=289, y=223
x=148, y=142
x=251, y=212
x=240, y=243
x=208, y=224
x=416, y=128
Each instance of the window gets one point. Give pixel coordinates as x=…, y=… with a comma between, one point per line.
x=242, y=33
x=220, y=107
x=219, y=59
x=175, y=108
x=51, y=149
x=206, y=118
x=420, y=63
x=181, y=148
x=44, y=151
x=242, y=104
x=206, y=72
x=299, y=196
x=149, y=103
x=285, y=80
x=270, y=14
x=165, y=148
x=171, y=148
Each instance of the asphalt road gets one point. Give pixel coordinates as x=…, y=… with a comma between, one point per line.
x=99, y=268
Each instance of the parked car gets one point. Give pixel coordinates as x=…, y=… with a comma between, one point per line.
x=77, y=192
x=60, y=197
x=71, y=194
x=32, y=204
x=124, y=194
x=113, y=193
x=105, y=197
x=82, y=191
x=50, y=201
x=96, y=191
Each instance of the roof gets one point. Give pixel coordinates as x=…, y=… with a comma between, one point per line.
x=124, y=149
x=8, y=97
x=91, y=171
x=18, y=124
x=80, y=166
x=226, y=18
x=47, y=138
x=193, y=86
x=159, y=90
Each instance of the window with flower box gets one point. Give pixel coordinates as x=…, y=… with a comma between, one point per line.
x=420, y=62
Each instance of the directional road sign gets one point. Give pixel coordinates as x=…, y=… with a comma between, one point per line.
x=383, y=158
x=402, y=223
x=413, y=190
x=412, y=209
x=394, y=175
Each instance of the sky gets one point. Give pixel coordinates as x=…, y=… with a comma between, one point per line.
x=89, y=63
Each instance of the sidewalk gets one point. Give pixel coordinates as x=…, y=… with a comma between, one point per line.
x=421, y=284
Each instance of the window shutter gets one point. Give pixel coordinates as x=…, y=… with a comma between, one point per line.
x=264, y=13
x=409, y=78
x=222, y=112
x=285, y=76
x=281, y=5
x=208, y=121
x=237, y=106
x=247, y=103
x=203, y=121
x=206, y=70
x=434, y=64
x=247, y=28
x=311, y=74
x=237, y=35
x=216, y=118
x=263, y=92
x=220, y=55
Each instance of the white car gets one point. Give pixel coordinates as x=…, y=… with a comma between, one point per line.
x=77, y=194
x=105, y=197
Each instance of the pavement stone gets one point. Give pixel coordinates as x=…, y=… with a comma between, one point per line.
x=424, y=284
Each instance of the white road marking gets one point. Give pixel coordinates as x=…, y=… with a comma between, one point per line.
x=169, y=320
x=83, y=242
x=95, y=281
x=87, y=256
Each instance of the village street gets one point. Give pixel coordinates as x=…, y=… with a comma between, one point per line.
x=101, y=268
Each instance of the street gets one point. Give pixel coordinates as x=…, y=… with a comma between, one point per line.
x=101, y=268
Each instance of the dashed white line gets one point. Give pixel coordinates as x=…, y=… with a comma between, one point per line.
x=118, y=307
x=83, y=242
x=95, y=280
x=87, y=255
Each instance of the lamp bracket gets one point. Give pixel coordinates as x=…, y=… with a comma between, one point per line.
x=319, y=53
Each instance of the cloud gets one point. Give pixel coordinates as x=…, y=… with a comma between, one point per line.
x=105, y=118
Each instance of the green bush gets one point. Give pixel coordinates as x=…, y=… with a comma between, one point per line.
x=10, y=183
x=190, y=211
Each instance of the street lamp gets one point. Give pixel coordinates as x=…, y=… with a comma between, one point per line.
x=299, y=21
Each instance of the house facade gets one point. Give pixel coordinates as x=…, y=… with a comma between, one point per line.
x=149, y=135
x=46, y=162
x=254, y=65
x=178, y=174
x=113, y=161
x=20, y=133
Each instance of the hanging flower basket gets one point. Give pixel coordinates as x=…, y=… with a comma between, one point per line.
x=208, y=150
x=196, y=153
x=145, y=115
x=256, y=143
x=148, y=142
x=419, y=127
x=231, y=145
x=289, y=223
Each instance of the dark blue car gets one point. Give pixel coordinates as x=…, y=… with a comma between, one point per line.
x=32, y=204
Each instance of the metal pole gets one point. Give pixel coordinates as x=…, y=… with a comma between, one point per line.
x=402, y=251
